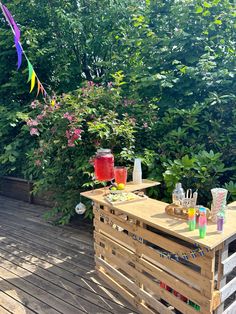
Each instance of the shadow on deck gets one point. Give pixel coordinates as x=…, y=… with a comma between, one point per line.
x=49, y=269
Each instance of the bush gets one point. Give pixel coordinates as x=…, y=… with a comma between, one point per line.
x=68, y=134
x=172, y=103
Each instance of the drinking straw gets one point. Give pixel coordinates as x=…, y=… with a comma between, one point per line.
x=219, y=200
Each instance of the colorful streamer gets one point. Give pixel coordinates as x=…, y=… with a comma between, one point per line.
x=17, y=34
x=32, y=81
x=39, y=88
x=11, y=21
x=30, y=69
x=19, y=53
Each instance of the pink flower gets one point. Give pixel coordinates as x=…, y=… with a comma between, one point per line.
x=32, y=122
x=33, y=105
x=77, y=132
x=145, y=125
x=34, y=131
x=38, y=163
x=90, y=83
x=68, y=116
x=40, y=117
x=109, y=84
x=68, y=135
x=71, y=143
x=72, y=135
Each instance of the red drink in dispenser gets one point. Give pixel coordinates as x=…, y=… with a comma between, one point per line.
x=104, y=165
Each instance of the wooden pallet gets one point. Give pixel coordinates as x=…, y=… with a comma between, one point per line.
x=128, y=258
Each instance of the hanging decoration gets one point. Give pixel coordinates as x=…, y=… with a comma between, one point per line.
x=32, y=78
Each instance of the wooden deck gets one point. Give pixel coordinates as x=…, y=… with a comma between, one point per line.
x=49, y=269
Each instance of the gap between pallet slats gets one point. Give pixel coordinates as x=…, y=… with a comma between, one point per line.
x=231, y=309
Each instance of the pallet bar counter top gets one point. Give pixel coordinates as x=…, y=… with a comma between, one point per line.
x=156, y=263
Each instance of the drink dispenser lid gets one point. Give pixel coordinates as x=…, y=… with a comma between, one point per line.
x=103, y=151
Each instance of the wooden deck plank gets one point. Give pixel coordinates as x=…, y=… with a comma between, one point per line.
x=29, y=252
x=51, y=242
x=49, y=269
x=45, y=275
x=3, y=310
x=45, y=245
x=89, y=283
x=61, y=292
x=25, y=299
x=61, y=238
x=10, y=305
x=43, y=294
x=66, y=234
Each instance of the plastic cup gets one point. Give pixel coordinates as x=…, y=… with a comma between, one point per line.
x=120, y=174
x=191, y=219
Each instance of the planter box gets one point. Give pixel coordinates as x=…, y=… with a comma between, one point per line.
x=16, y=188
x=21, y=189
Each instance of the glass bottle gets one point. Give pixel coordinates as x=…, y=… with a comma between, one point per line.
x=178, y=194
x=104, y=165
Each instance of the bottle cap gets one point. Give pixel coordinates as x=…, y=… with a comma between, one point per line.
x=202, y=210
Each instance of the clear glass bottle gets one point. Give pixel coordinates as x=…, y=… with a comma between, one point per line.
x=104, y=165
x=178, y=194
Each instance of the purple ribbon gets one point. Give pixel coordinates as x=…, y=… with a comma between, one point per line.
x=12, y=22
x=19, y=53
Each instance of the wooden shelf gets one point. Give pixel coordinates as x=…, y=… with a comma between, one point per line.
x=98, y=194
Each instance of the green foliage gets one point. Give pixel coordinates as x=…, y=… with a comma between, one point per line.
x=231, y=187
x=172, y=101
x=200, y=172
x=70, y=133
